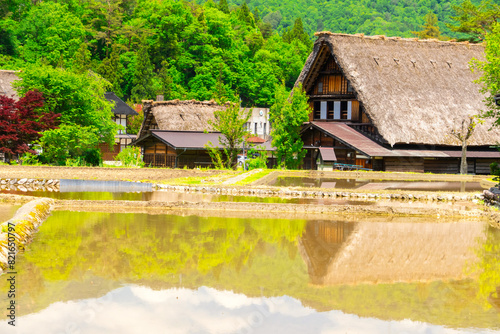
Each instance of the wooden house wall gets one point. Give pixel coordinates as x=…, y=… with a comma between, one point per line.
x=314, y=137
x=107, y=153
x=404, y=164
x=438, y=166
x=157, y=154
x=482, y=166
x=452, y=166
x=194, y=158
x=442, y=166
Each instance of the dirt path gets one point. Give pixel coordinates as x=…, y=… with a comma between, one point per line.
x=102, y=173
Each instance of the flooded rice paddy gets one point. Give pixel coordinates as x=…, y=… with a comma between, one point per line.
x=368, y=184
x=7, y=211
x=172, y=196
x=137, y=273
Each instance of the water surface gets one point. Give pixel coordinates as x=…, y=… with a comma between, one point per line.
x=367, y=184
x=129, y=273
x=7, y=211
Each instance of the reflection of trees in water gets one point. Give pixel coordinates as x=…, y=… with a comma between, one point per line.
x=488, y=268
x=320, y=243
x=138, y=247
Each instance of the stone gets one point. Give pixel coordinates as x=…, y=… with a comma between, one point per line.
x=3, y=181
x=22, y=181
x=13, y=181
x=22, y=188
x=495, y=190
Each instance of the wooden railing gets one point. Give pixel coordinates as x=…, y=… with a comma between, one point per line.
x=159, y=160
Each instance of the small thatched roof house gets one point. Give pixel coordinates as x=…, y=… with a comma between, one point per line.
x=6, y=79
x=174, y=133
x=176, y=115
x=389, y=98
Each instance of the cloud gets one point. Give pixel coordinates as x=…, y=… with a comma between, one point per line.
x=136, y=309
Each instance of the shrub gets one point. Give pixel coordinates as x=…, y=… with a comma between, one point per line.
x=131, y=157
x=258, y=158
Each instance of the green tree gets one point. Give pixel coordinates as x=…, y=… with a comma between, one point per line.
x=490, y=69
x=69, y=142
x=231, y=123
x=297, y=32
x=105, y=22
x=475, y=20
x=143, y=75
x=51, y=33
x=287, y=115
x=223, y=6
x=86, y=115
x=81, y=60
x=111, y=70
x=430, y=29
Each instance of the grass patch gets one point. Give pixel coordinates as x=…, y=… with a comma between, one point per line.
x=254, y=177
x=204, y=180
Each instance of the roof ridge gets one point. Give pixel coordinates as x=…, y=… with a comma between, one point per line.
x=320, y=34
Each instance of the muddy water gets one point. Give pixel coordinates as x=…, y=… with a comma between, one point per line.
x=134, y=273
x=366, y=184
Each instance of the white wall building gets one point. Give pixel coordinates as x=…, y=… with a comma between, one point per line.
x=258, y=123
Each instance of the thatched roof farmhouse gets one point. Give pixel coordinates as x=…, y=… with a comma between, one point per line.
x=174, y=133
x=391, y=103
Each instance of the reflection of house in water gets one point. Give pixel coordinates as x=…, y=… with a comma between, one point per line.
x=386, y=252
x=320, y=244
x=495, y=300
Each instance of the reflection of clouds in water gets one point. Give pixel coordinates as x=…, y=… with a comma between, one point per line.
x=142, y=310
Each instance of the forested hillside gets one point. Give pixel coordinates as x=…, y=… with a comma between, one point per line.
x=190, y=50
x=144, y=48
x=370, y=17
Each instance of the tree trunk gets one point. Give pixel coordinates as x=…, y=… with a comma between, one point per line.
x=463, y=163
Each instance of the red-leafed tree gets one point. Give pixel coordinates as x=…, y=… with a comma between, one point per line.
x=21, y=122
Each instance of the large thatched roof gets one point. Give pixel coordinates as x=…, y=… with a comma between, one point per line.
x=6, y=79
x=178, y=115
x=414, y=91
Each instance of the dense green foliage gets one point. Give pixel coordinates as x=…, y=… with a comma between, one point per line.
x=287, y=115
x=370, y=17
x=130, y=157
x=490, y=68
x=144, y=48
x=85, y=115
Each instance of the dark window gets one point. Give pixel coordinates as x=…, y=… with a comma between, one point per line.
x=255, y=128
x=317, y=109
x=343, y=110
x=329, y=110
